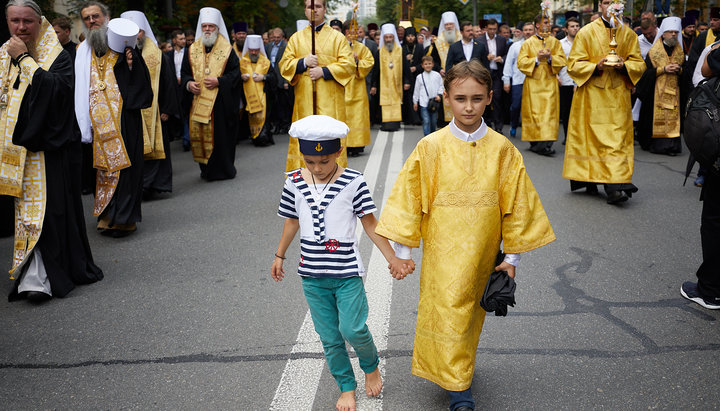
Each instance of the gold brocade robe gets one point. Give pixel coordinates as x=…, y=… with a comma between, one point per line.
x=599, y=145
x=462, y=199
x=255, y=92
x=540, y=108
x=443, y=47
x=391, y=84
x=333, y=51
x=152, y=125
x=666, y=107
x=356, y=99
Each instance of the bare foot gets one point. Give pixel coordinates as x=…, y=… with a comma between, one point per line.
x=373, y=383
x=346, y=402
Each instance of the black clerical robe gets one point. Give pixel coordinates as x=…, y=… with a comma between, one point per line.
x=124, y=209
x=220, y=165
x=46, y=123
x=157, y=174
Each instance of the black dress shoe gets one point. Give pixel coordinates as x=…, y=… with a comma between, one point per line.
x=616, y=197
x=186, y=148
x=37, y=296
x=464, y=408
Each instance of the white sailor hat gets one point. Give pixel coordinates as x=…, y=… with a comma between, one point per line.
x=319, y=135
x=122, y=33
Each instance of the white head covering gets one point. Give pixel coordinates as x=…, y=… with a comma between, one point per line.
x=448, y=17
x=253, y=41
x=122, y=33
x=301, y=24
x=318, y=127
x=388, y=28
x=213, y=16
x=669, y=24
x=138, y=17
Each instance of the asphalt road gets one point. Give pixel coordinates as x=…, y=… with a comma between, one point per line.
x=188, y=317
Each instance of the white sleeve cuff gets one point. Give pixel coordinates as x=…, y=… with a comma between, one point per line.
x=512, y=259
x=402, y=251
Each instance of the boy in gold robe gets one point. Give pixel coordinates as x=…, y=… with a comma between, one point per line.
x=327, y=72
x=356, y=96
x=599, y=145
x=541, y=59
x=463, y=191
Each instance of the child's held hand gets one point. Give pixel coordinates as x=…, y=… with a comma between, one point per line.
x=400, y=268
x=276, y=271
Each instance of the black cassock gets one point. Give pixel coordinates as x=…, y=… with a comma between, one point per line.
x=63, y=242
x=158, y=173
x=136, y=91
x=645, y=91
x=221, y=164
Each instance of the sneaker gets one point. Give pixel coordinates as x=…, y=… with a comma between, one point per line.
x=689, y=290
x=513, y=132
x=699, y=181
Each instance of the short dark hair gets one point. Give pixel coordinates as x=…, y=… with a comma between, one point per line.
x=465, y=69
x=491, y=22
x=465, y=24
x=528, y=23
x=571, y=20
x=189, y=33
x=63, y=22
x=175, y=33
x=427, y=58
x=538, y=19
x=103, y=8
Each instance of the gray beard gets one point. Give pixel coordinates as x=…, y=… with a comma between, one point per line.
x=390, y=46
x=254, y=59
x=450, y=36
x=97, y=39
x=141, y=43
x=671, y=42
x=209, y=41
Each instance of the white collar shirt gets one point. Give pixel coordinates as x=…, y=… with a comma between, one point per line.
x=467, y=49
x=565, y=79
x=492, y=49
x=178, y=58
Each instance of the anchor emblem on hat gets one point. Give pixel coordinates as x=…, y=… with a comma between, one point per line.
x=318, y=147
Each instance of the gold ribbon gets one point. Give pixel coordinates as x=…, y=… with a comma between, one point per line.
x=152, y=125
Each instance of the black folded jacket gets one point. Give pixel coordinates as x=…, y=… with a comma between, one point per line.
x=499, y=291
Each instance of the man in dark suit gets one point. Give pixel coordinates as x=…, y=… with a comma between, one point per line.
x=282, y=94
x=466, y=49
x=497, y=47
x=180, y=129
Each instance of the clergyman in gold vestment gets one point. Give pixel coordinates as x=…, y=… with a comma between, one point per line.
x=462, y=192
x=393, y=67
x=599, y=145
x=356, y=97
x=329, y=69
x=540, y=60
x=660, y=89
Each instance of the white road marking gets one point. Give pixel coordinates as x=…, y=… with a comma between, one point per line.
x=301, y=377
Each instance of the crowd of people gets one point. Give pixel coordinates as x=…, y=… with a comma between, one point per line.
x=124, y=97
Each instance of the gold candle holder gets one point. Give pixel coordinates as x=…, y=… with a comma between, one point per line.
x=612, y=59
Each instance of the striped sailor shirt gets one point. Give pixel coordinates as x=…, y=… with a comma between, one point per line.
x=328, y=247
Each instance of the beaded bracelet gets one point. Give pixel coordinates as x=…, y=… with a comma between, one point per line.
x=282, y=258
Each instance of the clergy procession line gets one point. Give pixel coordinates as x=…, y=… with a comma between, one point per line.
x=111, y=106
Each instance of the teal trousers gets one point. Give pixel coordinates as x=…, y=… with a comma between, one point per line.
x=339, y=310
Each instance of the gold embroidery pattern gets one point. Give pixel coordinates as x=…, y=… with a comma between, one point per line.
x=203, y=65
x=466, y=199
x=109, y=154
